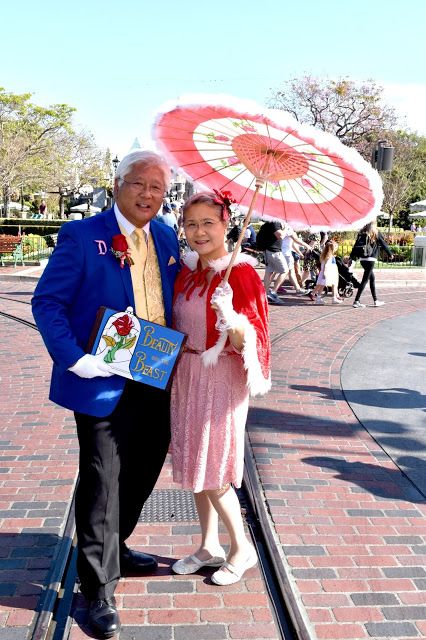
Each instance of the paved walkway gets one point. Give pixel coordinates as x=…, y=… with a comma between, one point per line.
x=383, y=378
x=348, y=523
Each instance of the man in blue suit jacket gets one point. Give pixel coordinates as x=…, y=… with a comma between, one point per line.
x=121, y=451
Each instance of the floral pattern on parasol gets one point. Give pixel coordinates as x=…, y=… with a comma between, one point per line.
x=300, y=174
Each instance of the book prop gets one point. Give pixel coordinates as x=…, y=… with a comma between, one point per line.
x=135, y=348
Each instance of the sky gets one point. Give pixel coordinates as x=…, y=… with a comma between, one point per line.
x=117, y=63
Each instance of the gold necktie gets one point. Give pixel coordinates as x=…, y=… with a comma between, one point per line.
x=139, y=236
x=137, y=272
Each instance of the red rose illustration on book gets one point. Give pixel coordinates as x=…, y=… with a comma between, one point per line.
x=123, y=326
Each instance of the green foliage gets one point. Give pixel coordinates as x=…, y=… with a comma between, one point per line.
x=40, y=151
x=28, y=133
x=400, y=238
x=352, y=111
x=401, y=253
x=33, y=242
x=39, y=227
x=356, y=113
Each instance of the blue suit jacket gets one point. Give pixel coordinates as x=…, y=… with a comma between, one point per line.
x=78, y=279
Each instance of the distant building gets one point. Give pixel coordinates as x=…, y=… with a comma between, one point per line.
x=135, y=146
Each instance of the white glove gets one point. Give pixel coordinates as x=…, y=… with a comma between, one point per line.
x=90, y=366
x=227, y=317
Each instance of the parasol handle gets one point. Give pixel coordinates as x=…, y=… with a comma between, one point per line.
x=259, y=184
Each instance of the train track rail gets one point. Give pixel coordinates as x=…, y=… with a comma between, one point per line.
x=54, y=619
x=55, y=611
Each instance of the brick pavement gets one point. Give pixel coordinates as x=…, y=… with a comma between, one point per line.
x=38, y=466
x=353, y=548
x=353, y=542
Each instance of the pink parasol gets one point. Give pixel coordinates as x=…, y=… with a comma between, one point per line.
x=273, y=165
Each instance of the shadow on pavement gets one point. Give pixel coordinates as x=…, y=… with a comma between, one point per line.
x=27, y=563
x=389, y=398
x=379, y=481
x=404, y=483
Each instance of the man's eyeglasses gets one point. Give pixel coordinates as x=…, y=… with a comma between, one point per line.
x=141, y=187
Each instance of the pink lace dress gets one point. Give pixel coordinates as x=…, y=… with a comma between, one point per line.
x=208, y=407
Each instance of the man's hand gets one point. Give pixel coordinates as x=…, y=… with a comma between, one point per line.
x=90, y=367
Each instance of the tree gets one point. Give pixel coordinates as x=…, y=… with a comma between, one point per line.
x=407, y=181
x=28, y=133
x=78, y=162
x=40, y=150
x=356, y=114
x=353, y=112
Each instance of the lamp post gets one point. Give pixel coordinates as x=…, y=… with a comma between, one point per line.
x=115, y=164
x=382, y=160
x=382, y=156
x=62, y=194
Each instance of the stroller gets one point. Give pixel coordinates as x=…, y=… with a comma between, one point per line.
x=347, y=281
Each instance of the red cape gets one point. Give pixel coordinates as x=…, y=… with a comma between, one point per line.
x=249, y=299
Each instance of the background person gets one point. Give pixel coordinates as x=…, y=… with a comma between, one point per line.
x=42, y=210
x=249, y=240
x=290, y=244
x=121, y=454
x=328, y=275
x=311, y=258
x=367, y=245
x=297, y=257
x=233, y=234
x=227, y=356
x=279, y=264
x=269, y=240
x=168, y=217
x=323, y=239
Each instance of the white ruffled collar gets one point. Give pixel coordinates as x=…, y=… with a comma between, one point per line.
x=220, y=264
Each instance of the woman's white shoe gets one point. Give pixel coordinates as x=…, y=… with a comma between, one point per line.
x=191, y=564
x=231, y=573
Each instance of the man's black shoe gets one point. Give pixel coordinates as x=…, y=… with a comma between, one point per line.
x=103, y=618
x=136, y=562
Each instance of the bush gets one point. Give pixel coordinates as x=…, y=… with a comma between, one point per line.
x=402, y=238
x=33, y=242
x=38, y=227
x=401, y=253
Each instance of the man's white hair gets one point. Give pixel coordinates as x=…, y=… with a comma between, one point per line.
x=147, y=159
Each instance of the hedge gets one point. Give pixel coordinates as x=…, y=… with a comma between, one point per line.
x=38, y=227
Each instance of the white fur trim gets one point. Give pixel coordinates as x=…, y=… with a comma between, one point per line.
x=256, y=382
x=190, y=259
x=220, y=264
x=211, y=356
x=258, y=385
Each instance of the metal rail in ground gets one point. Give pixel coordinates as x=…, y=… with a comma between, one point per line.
x=54, y=620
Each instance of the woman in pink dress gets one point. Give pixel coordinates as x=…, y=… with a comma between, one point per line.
x=227, y=357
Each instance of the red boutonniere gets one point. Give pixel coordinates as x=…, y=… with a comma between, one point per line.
x=120, y=249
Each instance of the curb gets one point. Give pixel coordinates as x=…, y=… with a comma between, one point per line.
x=10, y=277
